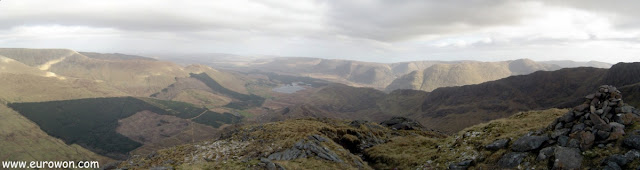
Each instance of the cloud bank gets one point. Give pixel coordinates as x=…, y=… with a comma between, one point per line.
x=370, y=30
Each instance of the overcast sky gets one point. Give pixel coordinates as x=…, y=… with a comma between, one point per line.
x=376, y=30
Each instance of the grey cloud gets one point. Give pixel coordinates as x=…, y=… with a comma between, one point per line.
x=162, y=17
x=403, y=19
x=623, y=13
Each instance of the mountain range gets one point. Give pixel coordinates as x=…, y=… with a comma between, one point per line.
x=139, y=112
x=417, y=75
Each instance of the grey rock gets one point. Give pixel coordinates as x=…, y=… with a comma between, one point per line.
x=567, y=117
x=357, y=123
x=567, y=158
x=586, y=140
x=618, y=159
x=317, y=138
x=527, y=143
x=559, y=132
x=632, y=154
x=498, y=144
x=578, y=113
x=627, y=109
x=512, y=159
x=632, y=141
x=560, y=125
x=402, y=123
x=573, y=143
x=563, y=140
x=617, y=125
x=599, y=123
x=577, y=127
x=545, y=153
x=169, y=162
x=304, y=149
x=611, y=166
x=152, y=154
x=161, y=168
x=602, y=134
x=590, y=96
x=463, y=165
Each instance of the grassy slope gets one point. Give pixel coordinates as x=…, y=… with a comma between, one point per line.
x=23, y=140
x=244, y=100
x=34, y=57
x=32, y=88
x=232, y=81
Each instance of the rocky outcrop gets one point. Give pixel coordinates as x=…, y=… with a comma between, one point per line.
x=498, y=144
x=307, y=148
x=599, y=121
x=402, y=123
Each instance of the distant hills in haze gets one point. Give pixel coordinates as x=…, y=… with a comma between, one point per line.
x=417, y=75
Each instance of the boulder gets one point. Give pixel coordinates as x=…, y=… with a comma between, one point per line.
x=269, y=165
x=626, y=109
x=402, y=123
x=461, y=165
x=618, y=159
x=527, y=143
x=632, y=154
x=586, y=140
x=512, y=159
x=628, y=118
x=602, y=134
x=574, y=143
x=563, y=140
x=557, y=133
x=161, y=168
x=617, y=132
x=545, y=153
x=578, y=127
x=357, y=123
x=567, y=117
x=611, y=166
x=498, y=144
x=567, y=158
x=633, y=141
x=598, y=123
x=304, y=149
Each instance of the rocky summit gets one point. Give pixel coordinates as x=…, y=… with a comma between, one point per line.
x=584, y=131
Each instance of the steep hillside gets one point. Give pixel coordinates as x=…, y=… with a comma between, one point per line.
x=35, y=57
x=20, y=82
x=137, y=77
x=97, y=124
x=23, y=140
x=465, y=73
